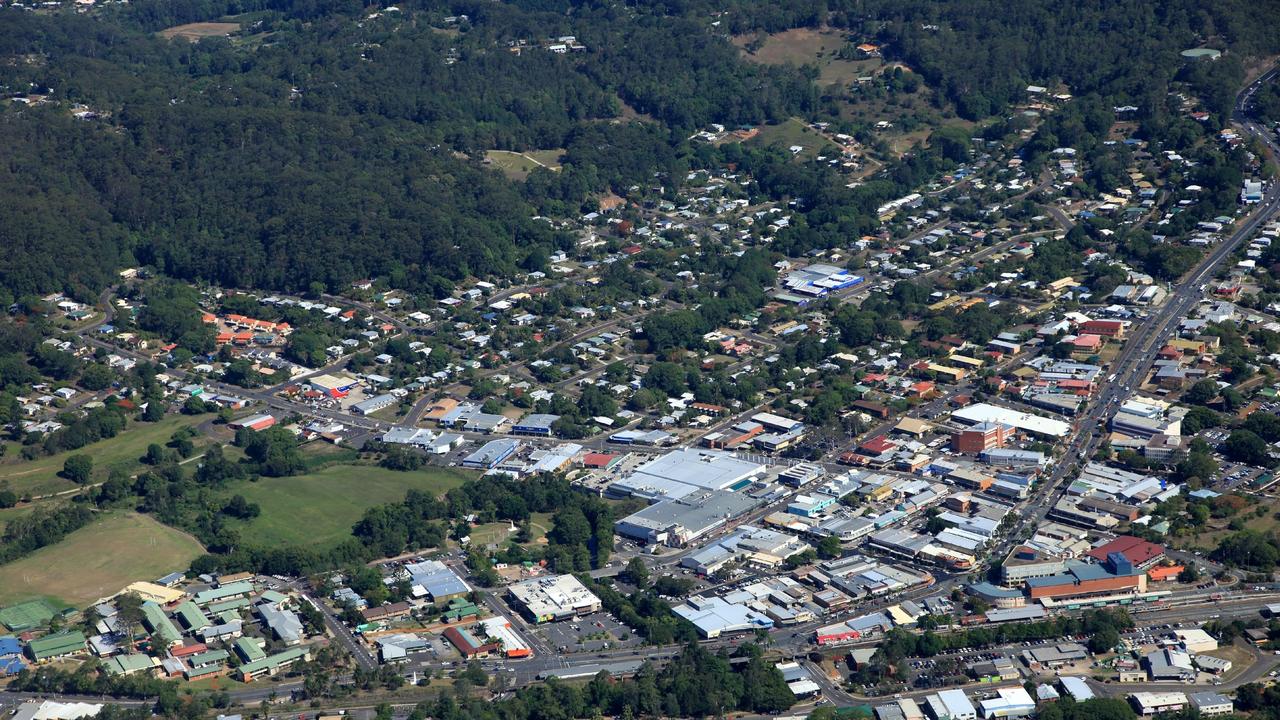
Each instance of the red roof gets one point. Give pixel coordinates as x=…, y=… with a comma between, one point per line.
x=1136, y=550
x=598, y=460
x=878, y=444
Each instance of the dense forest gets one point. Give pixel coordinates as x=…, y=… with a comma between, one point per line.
x=329, y=142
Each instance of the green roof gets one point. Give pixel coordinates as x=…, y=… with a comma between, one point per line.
x=248, y=649
x=161, y=627
x=274, y=661
x=208, y=657
x=194, y=673
x=56, y=645
x=191, y=617
x=225, y=605
x=121, y=664
x=273, y=596
x=27, y=615
x=244, y=587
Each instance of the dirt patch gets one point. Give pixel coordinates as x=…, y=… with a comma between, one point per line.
x=193, y=32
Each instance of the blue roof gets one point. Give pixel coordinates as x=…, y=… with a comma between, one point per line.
x=9, y=645
x=12, y=666
x=995, y=591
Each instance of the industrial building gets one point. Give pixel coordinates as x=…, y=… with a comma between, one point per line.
x=1147, y=704
x=547, y=599
x=950, y=705
x=686, y=471
x=491, y=454
x=436, y=580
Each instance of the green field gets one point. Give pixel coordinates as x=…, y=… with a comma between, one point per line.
x=40, y=476
x=517, y=166
x=804, y=46
x=319, y=508
x=497, y=533
x=98, y=560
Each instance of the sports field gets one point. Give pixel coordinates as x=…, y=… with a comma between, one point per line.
x=98, y=560
x=319, y=508
x=40, y=476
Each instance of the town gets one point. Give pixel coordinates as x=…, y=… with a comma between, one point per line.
x=1003, y=447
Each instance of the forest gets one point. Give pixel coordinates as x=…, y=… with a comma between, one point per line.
x=324, y=144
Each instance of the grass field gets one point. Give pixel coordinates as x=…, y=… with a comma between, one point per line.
x=517, y=166
x=193, y=32
x=792, y=132
x=319, y=508
x=40, y=476
x=98, y=560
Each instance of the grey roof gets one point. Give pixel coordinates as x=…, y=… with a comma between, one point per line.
x=284, y=623
x=437, y=579
x=697, y=513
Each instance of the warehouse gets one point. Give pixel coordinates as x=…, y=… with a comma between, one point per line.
x=437, y=580
x=253, y=422
x=547, y=599
x=951, y=705
x=491, y=453
x=1154, y=703
x=374, y=404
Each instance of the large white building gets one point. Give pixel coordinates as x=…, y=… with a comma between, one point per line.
x=546, y=599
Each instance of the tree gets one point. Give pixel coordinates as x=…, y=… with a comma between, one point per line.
x=1202, y=392
x=78, y=468
x=637, y=573
x=1246, y=447
x=1189, y=574
x=829, y=547
x=1104, y=639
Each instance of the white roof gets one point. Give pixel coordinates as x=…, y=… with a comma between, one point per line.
x=51, y=710
x=985, y=412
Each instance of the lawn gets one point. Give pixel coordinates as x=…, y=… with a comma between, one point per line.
x=98, y=560
x=40, y=476
x=517, y=166
x=193, y=32
x=319, y=508
x=497, y=533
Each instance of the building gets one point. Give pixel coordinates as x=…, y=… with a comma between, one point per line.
x=547, y=599
x=686, y=471
x=715, y=616
x=678, y=521
x=1085, y=580
x=499, y=630
x=374, y=404
x=285, y=625
x=163, y=632
x=1077, y=687
x=159, y=594
x=56, y=645
x=536, y=424
x=10, y=656
x=1195, y=640
x=1147, y=704
x=468, y=644
x=1009, y=702
x=491, y=454
x=1169, y=665
x=951, y=705
x=1212, y=703
x=1140, y=553
x=273, y=664
x=52, y=710
x=1025, y=422
x=437, y=579
x=981, y=437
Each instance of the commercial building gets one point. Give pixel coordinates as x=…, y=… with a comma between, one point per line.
x=1140, y=553
x=677, y=522
x=951, y=705
x=981, y=437
x=1147, y=704
x=374, y=404
x=715, y=616
x=468, y=644
x=758, y=547
x=1031, y=424
x=1195, y=640
x=547, y=599
x=491, y=454
x=1084, y=580
x=437, y=580
x=52, y=710
x=536, y=424
x=686, y=471
x=1077, y=687
x=499, y=630
x=1009, y=702
x=1212, y=703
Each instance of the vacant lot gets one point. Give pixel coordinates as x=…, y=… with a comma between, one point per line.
x=193, y=32
x=319, y=508
x=98, y=560
x=497, y=533
x=805, y=46
x=517, y=166
x=40, y=476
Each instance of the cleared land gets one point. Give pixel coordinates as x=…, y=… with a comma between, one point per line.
x=517, y=166
x=193, y=32
x=807, y=46
x=497, y=533
x=98, y=560
x=319, y=508
x=40, y=476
